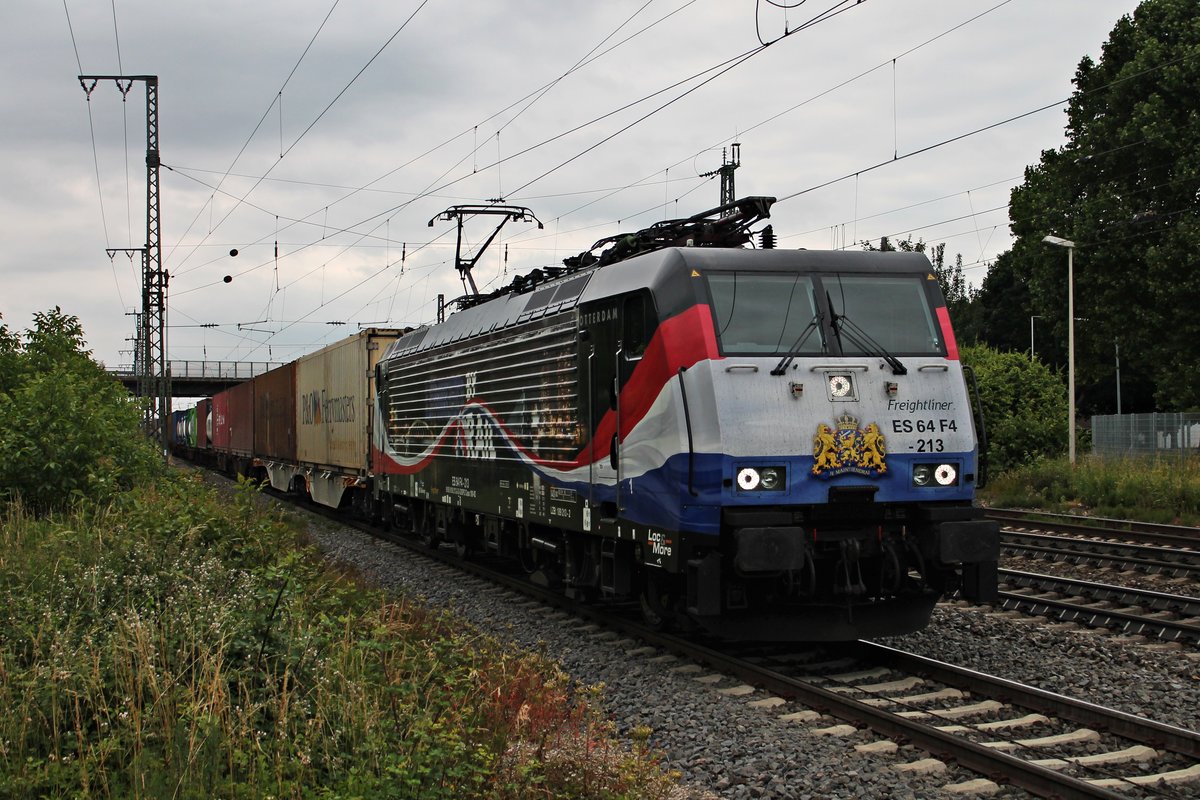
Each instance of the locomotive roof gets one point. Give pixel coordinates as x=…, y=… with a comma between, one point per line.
x=661, y=271
x=816, y=260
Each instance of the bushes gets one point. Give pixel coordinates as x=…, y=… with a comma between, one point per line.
x=157, y=640
x=70, y=432
x=1024, y=406
x=177, y=644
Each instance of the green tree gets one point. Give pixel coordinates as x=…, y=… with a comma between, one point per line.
x=1024, y=407
x=10, y=356
x=69, y=431
x=1124, y=189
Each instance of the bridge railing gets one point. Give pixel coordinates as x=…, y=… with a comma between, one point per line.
x=229, y=370
x=211, y=370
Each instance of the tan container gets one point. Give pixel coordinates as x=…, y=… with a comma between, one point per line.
x=335, y=392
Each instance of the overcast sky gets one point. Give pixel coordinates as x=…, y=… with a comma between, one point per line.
x=358, y=128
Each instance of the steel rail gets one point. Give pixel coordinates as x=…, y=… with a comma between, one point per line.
x=1132, y=624
x=1145, y=556
x=1160, y=735
x=998, y=766
x=1144, y=598
x=1132, y=530
x=1101, y=557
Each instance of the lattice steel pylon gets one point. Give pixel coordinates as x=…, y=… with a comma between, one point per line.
x=155, y=376
x=726, y=170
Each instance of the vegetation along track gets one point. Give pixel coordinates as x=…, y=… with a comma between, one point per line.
x=1024, y=737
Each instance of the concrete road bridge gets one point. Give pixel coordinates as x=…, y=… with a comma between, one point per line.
x=200, y=378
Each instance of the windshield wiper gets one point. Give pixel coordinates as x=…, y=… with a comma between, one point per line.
x=863, y=341
x=794, y=350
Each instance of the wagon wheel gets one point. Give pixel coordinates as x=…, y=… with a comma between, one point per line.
x=657, y=602
x=463, y=538
x=425, y=527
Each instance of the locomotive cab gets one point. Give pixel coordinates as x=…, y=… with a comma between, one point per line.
x=793, y=449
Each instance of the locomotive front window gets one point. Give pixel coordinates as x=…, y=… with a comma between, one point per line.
x=892, y=310
x=767, y=314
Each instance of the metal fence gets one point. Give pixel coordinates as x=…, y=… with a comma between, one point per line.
x=1146, y=434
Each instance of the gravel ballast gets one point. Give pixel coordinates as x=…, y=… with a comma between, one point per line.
x=727, y=748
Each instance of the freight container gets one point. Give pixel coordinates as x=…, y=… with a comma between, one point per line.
x=177, y=432
x=204, y=424
x=233, y=420
x=275, y=426
x=275, y=415
x=190, y=428
x=335, y=395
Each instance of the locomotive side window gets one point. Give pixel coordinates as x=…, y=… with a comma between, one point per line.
x=638, y=322
x=765, y=314
x=892, y=310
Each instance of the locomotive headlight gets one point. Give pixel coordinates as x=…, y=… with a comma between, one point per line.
x=772, y=478
x=748, y=479
x=935, y=475
x=922, y=474
x=945, y=475
x=762, y=479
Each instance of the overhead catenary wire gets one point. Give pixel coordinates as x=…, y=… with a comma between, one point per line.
x=125, y=127
x=537, y=93
x=675, y=11
x=825, y=92
x=259, y=124
x=325, y=110
x=823, y=16
x=95, y=160
x=429, y=191
x=731, y=64
x=985, y=128
x=610, y=137
x=389, y=236
x=553, y=138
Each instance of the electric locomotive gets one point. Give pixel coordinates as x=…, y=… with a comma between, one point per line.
x=767, y=444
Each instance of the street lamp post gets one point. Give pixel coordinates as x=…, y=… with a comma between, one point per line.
x=1055, y=240
x=1117, y=354
x=1032, y=317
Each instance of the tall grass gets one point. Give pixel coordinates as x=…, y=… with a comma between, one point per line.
x=1155, y=490
x=178, y=645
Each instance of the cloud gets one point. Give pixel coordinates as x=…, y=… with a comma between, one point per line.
x=344, y=202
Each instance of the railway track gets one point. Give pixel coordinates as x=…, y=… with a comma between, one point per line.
x=1022, y=735
x=1005, y=732
x=1163, y=551
x=1170, y=536
x=1105, y=554
x=1135, y=612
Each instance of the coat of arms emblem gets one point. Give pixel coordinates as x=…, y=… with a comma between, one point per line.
x=848, y=448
